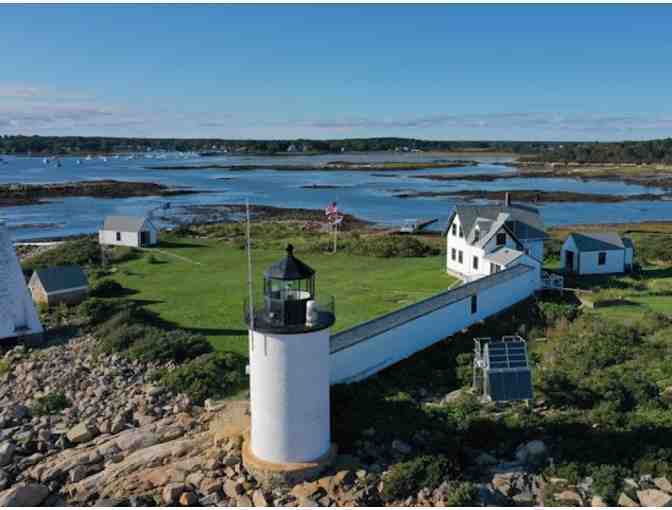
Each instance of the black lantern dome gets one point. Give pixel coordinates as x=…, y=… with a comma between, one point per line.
x=289, y=301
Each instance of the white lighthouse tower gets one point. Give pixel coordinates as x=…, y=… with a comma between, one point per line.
x=18, y=317
x=289, y=370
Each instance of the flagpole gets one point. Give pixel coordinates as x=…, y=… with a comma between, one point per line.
x=249, y=274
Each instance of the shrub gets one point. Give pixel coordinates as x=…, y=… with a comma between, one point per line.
x=151, y=259
x=178, y=346
x=107, y=288
x=96, y=310
x=122, y=338
x=607, y=482
x=407, y=478
x=462, y=494
x=5, y=367
x=213, y=375
x=84, y=252
x=51, y=403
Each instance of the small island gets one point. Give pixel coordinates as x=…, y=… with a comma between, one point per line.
x=30, y=194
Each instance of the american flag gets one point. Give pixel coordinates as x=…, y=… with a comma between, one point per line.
x=331, y=209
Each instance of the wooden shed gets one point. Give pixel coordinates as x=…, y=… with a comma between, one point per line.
x=59, y=284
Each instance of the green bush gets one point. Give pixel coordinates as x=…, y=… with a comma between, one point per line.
x=213, y=375
x=51, y=403
x=407, y=478
x=607, y=482
x=462, y=494
x=177, y=345
x=107, y=288
x=84, y=252
x=95, y=310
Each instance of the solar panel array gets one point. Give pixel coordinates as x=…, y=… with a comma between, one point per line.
x=508, y=374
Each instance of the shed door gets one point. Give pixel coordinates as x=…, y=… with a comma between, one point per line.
x=144, y=238
x=569, y=261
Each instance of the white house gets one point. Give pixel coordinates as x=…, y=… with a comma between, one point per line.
x=485, y=239
x=135, y=231
x=603, y=253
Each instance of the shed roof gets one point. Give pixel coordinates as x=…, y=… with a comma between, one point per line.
x=124, y=223
x=605, y=241
x=59, y=278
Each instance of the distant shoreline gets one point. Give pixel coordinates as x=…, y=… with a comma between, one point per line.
x=330, y=166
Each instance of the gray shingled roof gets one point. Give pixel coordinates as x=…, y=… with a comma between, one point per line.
x=605, y=241
x=58, y=278
x=124, y=223
x=522, y=221
x=503, y=256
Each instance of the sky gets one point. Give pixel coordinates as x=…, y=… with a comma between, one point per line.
x=445, y=72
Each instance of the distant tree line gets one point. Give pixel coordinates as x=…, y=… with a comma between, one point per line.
x=650, y=151
x=48, y=145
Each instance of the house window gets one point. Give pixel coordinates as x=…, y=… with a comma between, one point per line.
x=474, y=304
x=602, y=258
x=475, y=262
x=454, y=229
x=501, y=239
x=453, y=253
x=477, y=235
x=460, y=256
x=118, y=236
x=461, y=231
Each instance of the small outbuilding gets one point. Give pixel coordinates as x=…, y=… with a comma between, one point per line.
x=59, y=284
x=603, y=253
x=133, y=231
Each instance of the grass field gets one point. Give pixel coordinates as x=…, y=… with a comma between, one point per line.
x=200, y=285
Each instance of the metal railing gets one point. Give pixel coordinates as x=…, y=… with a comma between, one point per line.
x=289, y=316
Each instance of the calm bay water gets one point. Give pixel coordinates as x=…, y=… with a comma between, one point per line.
x=364, y=194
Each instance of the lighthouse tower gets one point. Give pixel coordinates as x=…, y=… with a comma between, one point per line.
x=289, y=369
x=18, y=317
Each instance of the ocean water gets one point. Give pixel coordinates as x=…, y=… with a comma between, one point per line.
x=365, y=194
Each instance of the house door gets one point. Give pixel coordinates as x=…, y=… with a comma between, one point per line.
x=569, y=261
x=144, y=238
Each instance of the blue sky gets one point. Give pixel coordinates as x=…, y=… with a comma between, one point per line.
x=572, y=72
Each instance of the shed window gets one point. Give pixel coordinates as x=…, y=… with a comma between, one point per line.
x=118, y=236
x=602, y=258
x=453, y=253
x=475, y=262
x=501, y=239
x=477, y=235
x=474, y=303
x=454, y=228
x=460, y=256
x=461, y=231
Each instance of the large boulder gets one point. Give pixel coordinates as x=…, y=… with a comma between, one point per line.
x=24, y=495
x=654, y=497
x=6, y=453
x=82, y=432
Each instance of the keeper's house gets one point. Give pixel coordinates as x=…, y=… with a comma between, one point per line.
x=604, y=253
x=133, y=231
x=483, y=240
x=60, y=284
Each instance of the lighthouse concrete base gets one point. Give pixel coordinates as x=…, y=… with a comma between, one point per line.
x=271, y=475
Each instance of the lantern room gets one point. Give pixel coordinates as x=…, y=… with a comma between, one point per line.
x=289, y=303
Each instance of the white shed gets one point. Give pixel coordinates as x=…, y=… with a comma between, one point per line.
x=134, y=231
x=604, y=253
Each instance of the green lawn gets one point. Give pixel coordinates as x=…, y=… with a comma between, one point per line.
x=200, y=285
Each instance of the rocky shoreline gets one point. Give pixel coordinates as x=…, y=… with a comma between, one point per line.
x=31, y=194
x=332, y=165
x=536, y=196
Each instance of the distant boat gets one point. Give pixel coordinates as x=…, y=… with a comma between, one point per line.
x=58, y=163
x=89, y=158
x=79, y=161
x=104, y=159
x=45, y=161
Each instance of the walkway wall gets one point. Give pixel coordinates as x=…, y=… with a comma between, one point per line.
x=370, y=347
